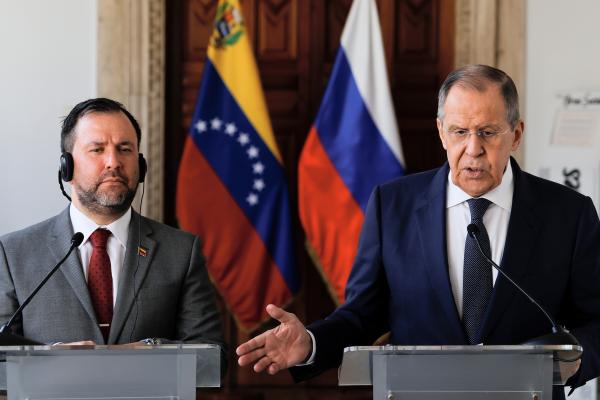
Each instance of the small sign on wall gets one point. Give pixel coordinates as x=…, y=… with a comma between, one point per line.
x=583, y=178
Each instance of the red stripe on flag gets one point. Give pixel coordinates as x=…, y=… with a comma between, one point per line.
x=237, y=259
x=331, y=217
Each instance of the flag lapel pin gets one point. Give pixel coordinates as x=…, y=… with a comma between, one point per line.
x=142, y=251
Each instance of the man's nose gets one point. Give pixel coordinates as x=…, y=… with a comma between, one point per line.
x=113, y=159
x=474, y=145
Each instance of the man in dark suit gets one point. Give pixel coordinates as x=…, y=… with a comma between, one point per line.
x=417, y=273
x=132, y=278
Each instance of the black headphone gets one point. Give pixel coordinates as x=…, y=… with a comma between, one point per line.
x=67, y=165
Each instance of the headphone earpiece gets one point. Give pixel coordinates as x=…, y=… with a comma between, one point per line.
x=66, y=166
x=143, y=168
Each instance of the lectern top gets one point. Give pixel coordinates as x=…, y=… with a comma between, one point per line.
x=357, y=365
x=199, y=365
x=40, y=349
x=528, y=349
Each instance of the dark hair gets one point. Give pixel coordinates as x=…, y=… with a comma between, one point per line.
x=478, y=77
x=100, y=105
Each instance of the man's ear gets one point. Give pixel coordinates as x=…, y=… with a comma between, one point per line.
x=441, y=133
x=518, y=131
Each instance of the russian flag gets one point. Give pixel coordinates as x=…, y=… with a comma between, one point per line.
x=352, y=146
x=231, y=188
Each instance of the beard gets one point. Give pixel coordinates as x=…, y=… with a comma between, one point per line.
x=106, y=202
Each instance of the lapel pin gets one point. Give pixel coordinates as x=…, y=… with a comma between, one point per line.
x=142, y=251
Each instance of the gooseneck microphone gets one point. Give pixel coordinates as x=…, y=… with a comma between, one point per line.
x=76, y=240
x=559, y=335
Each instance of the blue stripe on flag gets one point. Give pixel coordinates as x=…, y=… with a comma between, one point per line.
x=356, y=148
x=246, y=166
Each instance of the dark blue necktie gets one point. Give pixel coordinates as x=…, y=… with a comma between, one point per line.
x=477, y=274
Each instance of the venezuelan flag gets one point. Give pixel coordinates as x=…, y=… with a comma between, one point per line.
x=353, y=146
x=231, y=189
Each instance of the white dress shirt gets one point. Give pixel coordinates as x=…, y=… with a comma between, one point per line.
x=458, y=217
x=115, y=246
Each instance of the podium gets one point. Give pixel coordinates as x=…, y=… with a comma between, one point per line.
x=139, y=371
x=456, y=372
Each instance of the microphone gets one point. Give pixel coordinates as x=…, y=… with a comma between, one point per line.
x=76, y=240
x=560, y=335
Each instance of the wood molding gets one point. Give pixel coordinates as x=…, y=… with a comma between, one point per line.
x=476, y=26
x=511, y=52
x=131, y=47
x=492, y=32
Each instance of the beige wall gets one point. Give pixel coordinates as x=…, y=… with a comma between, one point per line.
x=48, y=64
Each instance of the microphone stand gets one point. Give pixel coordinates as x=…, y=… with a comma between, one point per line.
x=560, y=335
x=6, y=336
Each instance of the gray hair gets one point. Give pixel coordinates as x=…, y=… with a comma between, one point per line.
x=478, y=77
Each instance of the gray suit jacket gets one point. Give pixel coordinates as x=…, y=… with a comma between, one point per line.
x=165, y=293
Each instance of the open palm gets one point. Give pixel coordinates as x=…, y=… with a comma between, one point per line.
x=279, y=348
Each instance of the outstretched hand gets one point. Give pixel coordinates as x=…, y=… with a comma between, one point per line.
x=279, y=348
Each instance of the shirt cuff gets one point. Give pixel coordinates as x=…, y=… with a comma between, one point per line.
x=311, y=359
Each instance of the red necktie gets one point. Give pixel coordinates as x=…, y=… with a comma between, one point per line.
x=100, y=281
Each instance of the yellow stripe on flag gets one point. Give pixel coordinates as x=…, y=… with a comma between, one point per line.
x=230, y=52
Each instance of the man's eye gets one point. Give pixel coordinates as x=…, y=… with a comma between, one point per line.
x=96, y=150
x=488, y=134
x=460, y=132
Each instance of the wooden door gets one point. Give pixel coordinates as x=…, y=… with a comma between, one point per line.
x=295, y=43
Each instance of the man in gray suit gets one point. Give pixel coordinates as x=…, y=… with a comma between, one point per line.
x=132, y=278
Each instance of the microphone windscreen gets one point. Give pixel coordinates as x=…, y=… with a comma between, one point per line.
x=473, y=230
x=77, y=239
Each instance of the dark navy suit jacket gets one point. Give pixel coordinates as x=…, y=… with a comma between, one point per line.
x=400, y=282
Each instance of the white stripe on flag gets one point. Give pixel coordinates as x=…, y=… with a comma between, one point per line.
x=362, y=43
